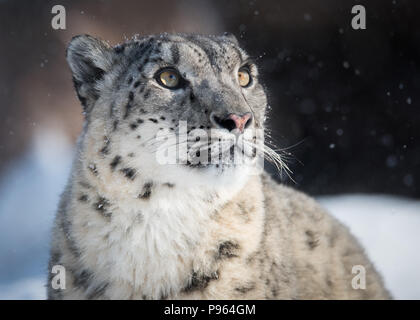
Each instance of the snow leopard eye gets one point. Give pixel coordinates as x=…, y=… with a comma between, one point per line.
x=169, y=78
x=244, y=77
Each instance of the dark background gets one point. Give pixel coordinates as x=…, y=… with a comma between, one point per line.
x=345, y=101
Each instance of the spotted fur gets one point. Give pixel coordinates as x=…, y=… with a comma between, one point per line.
x=128, y=227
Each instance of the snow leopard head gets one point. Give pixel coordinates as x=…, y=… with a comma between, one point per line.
x=169, y=105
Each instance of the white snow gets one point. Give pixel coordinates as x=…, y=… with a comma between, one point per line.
x=24, y=289
x=29, y=193
x=388, y=227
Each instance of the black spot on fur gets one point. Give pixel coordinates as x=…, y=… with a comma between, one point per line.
x=143, y=50
x=227, y=249
x=93, y=169
x=82, y=279
x=129, y=173
x=128, y=108
x=274, y=291
x=136, y=84
x=153, y=120
x=162, y=118
x=115, y=162
x=140, y=121
x=169, y=185
x=119, y=48
x=115, y=125
x=130, y=80
x=146, y=94
x=131, y=96
x=83, y=198
x=175, y=53
x=144, y=62
x=147, y=191
x=105, y=148
x=311, y=239
x=55, y=258
x=200, y=281
x=102, y=205
x=97, y=291
x=133, y=126
x=156, y=60
x=246, y=288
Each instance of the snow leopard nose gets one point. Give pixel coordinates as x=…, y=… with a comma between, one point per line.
x=233, y=121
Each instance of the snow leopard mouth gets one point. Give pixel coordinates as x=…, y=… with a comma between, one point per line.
x=227, y=158
x=215, y=148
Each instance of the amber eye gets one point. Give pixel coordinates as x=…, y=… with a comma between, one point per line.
x=169, y=78
x=244, y=77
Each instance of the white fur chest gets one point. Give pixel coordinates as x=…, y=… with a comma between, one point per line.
x=145, y=249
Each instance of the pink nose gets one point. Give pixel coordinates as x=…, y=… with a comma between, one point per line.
x=241, y=121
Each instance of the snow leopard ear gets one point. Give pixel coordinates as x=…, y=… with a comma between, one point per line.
x=231, y=37
x=89, y=59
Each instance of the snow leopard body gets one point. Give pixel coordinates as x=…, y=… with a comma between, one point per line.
x=128, y=227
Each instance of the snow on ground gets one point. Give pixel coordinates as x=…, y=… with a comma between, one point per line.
x=389, y=229
x=29, y=193
x=25, y=289
x=387, y=226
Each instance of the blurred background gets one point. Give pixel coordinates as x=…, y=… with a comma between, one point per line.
x=345, y=103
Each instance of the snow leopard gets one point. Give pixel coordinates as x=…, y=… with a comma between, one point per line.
x=129, y=226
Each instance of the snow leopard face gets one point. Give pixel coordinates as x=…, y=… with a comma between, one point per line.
x=169, y=105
